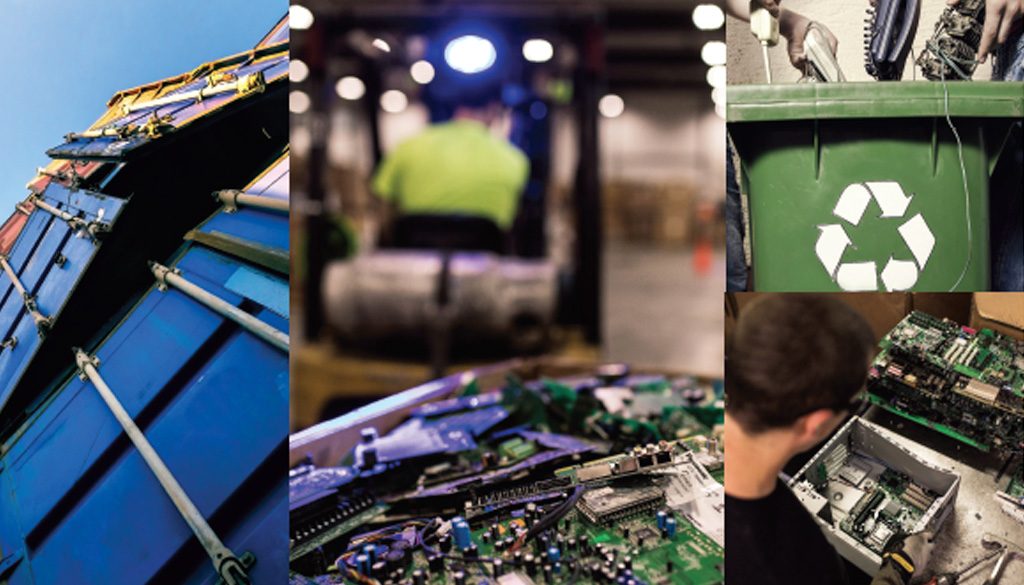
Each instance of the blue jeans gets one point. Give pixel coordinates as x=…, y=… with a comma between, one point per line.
x=735, y=259
x=1007, y=201
x=1009, y=64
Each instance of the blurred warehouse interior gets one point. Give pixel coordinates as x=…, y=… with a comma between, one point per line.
x=617, y=245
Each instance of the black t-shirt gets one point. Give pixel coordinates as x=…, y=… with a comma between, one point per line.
x=775, y=541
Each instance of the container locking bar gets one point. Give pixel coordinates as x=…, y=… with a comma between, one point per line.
x=251, y=83
x=154, y=127
x=70, y=176
x=166, y=277
x=231, y=570
x=93, y=228
x=233, y=199
x=43, y=323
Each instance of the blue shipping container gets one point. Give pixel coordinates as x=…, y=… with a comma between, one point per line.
x=196, y=363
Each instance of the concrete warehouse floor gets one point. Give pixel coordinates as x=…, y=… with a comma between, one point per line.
x=659, y=313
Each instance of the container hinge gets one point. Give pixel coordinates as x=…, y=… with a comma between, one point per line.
x=216, y=85
x=232, y=570
x=233, y=199
x=167, y=277
x=43, y=323
x=154, y=127
x=93, y=229
x=9, y=343
x=72, y=178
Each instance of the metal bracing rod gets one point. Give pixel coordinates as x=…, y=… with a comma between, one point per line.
x=43, y=322
x=168, y=277
x=225, y=562
x=73, y=221
x=111, y=131
x=70, y=175
x=233, y=199
x=59, y=175
x=94, y=228
x=253, y=82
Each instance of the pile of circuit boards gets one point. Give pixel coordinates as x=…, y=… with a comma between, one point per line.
x=966, y=384
x=603, y=478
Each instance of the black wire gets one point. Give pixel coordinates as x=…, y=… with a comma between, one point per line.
x=555, y=515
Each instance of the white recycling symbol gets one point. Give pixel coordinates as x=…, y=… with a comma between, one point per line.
x=864, y=276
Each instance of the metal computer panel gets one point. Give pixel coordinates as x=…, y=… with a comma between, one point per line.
x=865, y=490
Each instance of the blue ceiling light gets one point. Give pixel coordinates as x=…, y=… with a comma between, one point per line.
x=470, y=54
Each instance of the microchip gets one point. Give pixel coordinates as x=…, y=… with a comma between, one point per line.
x=607, y=505
x=853, y=473
x=880, y=536
x=646, y=534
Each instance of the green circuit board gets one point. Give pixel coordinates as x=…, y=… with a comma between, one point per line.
x=691, y=557
x=590, y=466
x=963, y=383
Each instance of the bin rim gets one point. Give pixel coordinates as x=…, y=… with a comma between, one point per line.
x=872, y=99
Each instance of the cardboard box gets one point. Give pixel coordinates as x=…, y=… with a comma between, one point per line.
x=1001, y=312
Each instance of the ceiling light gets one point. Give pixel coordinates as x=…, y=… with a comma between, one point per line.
x=422, y=72
x=470, y=54
x=298, y=102
x=299, y=17
x=350, y=87
x=298, y=71
x=611, y=106
x=538, y=51
x=718, y=95
x=716, y=76
x=393, y=101
x=708, y=17
x=713, y=53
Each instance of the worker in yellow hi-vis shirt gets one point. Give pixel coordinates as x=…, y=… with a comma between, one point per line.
x=458, y=167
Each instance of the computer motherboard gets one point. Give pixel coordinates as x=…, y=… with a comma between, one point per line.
x=964, y=383
x=610, y=478
x=867, y=492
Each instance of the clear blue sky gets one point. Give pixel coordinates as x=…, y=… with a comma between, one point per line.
x=63, y=59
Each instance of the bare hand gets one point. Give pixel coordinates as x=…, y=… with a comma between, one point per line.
x=1000, y=16
x=794, y=27
x=773, y=6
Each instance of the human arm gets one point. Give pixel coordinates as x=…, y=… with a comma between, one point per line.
x=792, y=25
x=1000, y=18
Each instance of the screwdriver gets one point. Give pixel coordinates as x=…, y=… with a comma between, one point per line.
x=765, y=28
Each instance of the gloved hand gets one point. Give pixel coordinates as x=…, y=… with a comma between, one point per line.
x=919, y=547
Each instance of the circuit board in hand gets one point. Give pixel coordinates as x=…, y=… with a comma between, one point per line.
x=964, y=383
x=952, y=51
x=576, y=480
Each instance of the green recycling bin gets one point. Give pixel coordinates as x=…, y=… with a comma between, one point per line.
x=865, y=186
